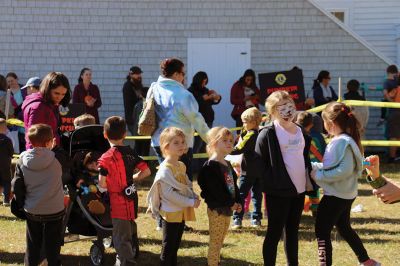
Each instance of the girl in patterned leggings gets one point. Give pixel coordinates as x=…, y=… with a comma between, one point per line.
x=217, y=181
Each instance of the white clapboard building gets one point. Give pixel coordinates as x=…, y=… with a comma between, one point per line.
x=377, y=22
x=221, y=37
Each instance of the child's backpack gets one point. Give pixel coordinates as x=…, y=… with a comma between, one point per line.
x=148, y=118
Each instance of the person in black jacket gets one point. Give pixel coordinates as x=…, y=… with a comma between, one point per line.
x=322, y=91
x=6, y=153
x=132, y=93
x=283, y=151
x=249, y=178
x=217, y=181
x=206, y=98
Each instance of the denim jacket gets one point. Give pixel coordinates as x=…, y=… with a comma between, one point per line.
x=176, y=107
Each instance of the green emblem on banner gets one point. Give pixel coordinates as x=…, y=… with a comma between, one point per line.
x=280, y=79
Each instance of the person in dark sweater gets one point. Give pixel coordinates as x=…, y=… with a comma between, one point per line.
x=322, y=90
x=88, y=93
x=6, y=153
x=285, y=165
x=249, y=179
x=217, y=181
x=132, y=92
x=361, y=112
x=206, y=98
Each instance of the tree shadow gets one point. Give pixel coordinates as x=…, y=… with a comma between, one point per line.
x=9, y=218
x=184, y=243
x=66, y=259
x=365, y=192
x=148, y=258
x=378, y=220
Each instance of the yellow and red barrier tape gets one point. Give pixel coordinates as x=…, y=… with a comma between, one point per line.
x=376, y=143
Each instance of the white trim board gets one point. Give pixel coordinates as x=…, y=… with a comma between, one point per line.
x=352, y=33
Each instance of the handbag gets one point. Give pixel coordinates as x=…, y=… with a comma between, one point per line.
x=148, y=118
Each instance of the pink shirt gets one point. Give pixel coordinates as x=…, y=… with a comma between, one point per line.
x=292, y=147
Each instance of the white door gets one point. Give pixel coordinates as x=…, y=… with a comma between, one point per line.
x=224, y=61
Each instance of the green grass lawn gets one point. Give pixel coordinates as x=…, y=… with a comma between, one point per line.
x=378, y=227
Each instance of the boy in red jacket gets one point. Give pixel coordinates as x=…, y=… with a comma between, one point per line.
x=119, y=167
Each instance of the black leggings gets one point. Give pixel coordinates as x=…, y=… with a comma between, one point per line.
x=171, y=240
x=283, y=213
x=336, y=211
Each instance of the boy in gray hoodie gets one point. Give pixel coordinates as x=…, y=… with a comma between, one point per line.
x=38, y=191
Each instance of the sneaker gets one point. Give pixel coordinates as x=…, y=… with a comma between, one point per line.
x=44, y=263
x=187, y=228
x=6, y=204
x=71, y=237
x=255, y=223
x=237, y=224
x=370, y=262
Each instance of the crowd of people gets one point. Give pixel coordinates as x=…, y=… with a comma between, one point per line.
x=286, y=159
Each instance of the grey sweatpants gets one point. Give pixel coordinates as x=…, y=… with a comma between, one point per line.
x=123, y=231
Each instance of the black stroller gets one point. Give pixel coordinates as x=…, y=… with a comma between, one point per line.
x=78, y=219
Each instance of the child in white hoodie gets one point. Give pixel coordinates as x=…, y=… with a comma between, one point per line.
x=171, y=194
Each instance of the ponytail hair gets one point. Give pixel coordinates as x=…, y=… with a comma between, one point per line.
x=323, y=74
x=343, y=117
x=171, y=65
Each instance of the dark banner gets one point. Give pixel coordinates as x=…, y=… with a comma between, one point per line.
x=290, y=81
x=68, y=114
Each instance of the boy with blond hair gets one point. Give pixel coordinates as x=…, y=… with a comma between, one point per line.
x=84, y=120
x=249, y=178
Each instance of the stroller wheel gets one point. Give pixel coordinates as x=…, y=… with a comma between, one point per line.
x=107, y=242
x=96, y=254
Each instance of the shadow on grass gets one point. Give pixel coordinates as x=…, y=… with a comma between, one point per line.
x=66, y=259
x=365, y=193
x=148, y=258
x=184, y=243
x=9, y=218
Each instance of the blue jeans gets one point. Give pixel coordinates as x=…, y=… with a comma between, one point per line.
x=245, y=184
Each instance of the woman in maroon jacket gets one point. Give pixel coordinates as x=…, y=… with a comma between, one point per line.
x=42, y=107
x=88, y=93
x=244, y=94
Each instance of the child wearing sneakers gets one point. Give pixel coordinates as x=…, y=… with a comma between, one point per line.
x=6, y=153
x=285, y=167
x=217, y=181
x=338, y=176
x=249, y=178
x=39, y=194
x=119, y=167
x=317, y=149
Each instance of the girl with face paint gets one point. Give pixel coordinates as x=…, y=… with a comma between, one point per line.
x=285, y=165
